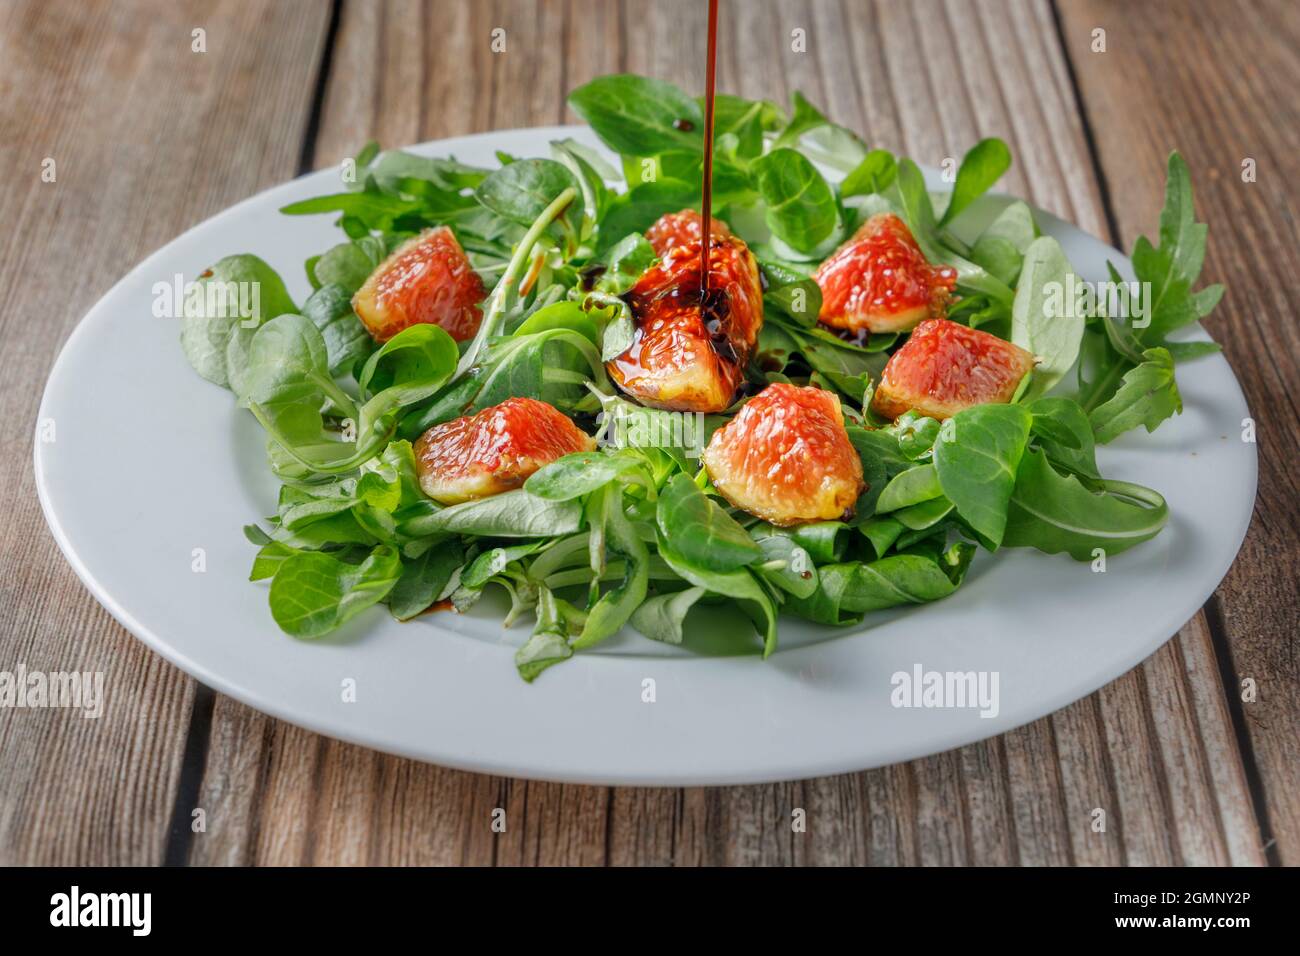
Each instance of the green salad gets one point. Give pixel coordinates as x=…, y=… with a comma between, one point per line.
x=357, y=395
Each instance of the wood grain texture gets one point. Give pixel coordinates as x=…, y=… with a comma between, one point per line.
x=1155, y=750
x=147, y=138
x=1219, y=87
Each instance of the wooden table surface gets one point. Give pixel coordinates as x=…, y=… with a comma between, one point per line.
x=150, y=138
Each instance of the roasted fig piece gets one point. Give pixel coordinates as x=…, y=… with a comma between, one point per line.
x=691, y=345
x=786, y=457
x=425, y=280
x=880, y=281
x=945, y=367
x=494, y=450
x=681, y=229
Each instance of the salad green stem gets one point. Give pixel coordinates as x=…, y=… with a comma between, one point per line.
x=500, y=294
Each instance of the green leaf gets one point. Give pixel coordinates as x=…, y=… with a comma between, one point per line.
x=615, y=606
x=926, y=514
x=585, y=165
x=313, y=593
x=394, y=166
x=976, y=457
x=420, y=355
x=1062, y=430
x=916, y=433
x=980, y=168
x=909, y=488
x=1044, y=321
x=747, y=120
x=796, y=295
x=374, y=209
x=349, y=264
x=819, y=138
x=623, y=264
x=579, y=474
x=511, y=514
x=801, y=208
x=874, y=174
x=329, y=308
x=492, y=562
x=1001, y=248
x=851, y=589
x=660, y=618
x=786, y=564
x=1054, y=513
x=1147, y=396
x=1014, y=224
x=882, y=533
x=639, y=116
x=1174, y=267
x=423, y=579
x=883, y=445
x=917, y=208
x=740, y=585
x=701, y=531
x=638, y=208
x=233, y=297
x=548, y=645
x=522, y=191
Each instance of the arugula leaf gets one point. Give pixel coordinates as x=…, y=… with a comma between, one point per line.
x=914, y=202
x=1147, y=396
x=849, y=590
x=1173, y=268
x=1054, y=512
x=1061, y=429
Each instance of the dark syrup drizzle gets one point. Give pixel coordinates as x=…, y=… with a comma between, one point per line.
x=706, y=200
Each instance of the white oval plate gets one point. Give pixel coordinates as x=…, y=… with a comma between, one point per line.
x=149, y=463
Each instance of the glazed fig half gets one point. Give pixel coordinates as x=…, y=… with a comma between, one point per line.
x=786, y=457
x=691, y=344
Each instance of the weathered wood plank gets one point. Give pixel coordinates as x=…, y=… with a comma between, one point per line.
x=1153, y=750
x=1219, y=86
x=147, y=138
